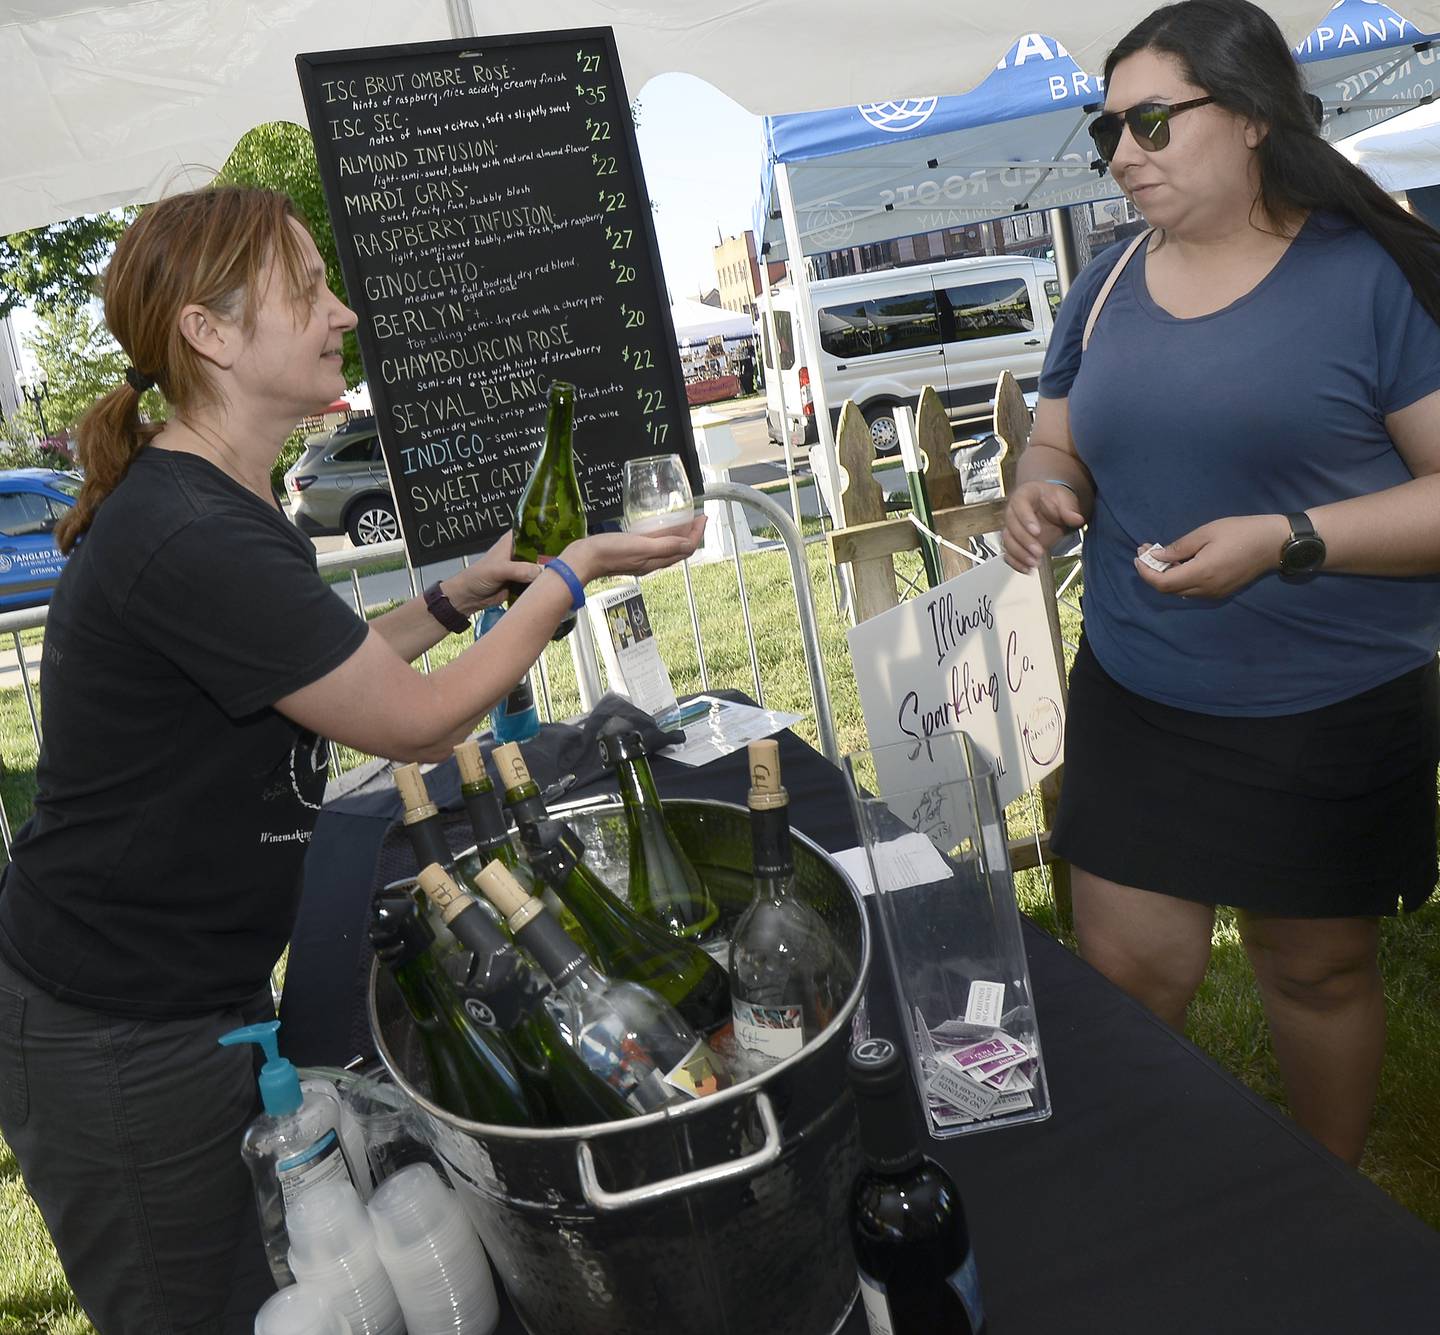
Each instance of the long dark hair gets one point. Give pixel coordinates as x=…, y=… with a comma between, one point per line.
x=1236, y=53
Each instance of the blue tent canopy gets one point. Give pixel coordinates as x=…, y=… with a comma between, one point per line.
x=1017, y=141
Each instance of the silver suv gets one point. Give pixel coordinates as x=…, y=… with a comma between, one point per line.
x=339, y=485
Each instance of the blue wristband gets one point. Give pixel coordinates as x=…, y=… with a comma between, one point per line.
x=572, y=580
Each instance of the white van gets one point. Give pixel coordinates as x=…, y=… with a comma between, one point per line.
x=955, y=324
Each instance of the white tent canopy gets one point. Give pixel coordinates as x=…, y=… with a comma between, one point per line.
x=111, y=102
x=695, y=322
x=1403, y=154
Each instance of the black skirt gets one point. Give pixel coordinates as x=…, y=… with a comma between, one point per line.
x=1330, y=813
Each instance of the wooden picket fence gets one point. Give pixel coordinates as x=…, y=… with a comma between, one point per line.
x=866, y=540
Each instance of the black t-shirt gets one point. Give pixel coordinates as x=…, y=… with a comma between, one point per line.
x=160, y=872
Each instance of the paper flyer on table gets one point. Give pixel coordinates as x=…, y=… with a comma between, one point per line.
x=727, y=726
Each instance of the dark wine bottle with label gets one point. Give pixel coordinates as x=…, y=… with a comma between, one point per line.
x=472, y=1071
x=664, y=885
x=503, y=991
x=550, y=514
x=786, y=976
x=907, y=1224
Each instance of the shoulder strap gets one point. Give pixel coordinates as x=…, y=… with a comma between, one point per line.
x=1110, y=282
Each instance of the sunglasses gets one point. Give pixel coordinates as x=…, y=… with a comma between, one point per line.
x=1149, y=122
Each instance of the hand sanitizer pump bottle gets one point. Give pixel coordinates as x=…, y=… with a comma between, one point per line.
x=294, y=1144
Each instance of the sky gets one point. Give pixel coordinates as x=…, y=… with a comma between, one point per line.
x=701, y=155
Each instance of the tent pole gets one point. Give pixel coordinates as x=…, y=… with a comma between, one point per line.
x=825, y=432
x=462, y=21
x=767, y=320
x=1067, y=252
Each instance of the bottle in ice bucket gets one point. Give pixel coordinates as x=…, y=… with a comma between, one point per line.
x=423, y=826
x=786, y=976
x=514, y=718
x=907, y=1224
x=550, y=513
x=523, y=798
x=664, y=885
x=525, y=805
x=488, y=822
x=627, y=1034
x=472, y=1073
x=504, y=992
x=624, y=944
x=425, y=829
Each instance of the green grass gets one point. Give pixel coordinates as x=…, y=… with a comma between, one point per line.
x=1226, y=1019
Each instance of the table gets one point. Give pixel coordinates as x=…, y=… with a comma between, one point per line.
x=1162, y=1197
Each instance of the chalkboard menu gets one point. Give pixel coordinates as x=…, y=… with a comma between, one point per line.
x=495, y=234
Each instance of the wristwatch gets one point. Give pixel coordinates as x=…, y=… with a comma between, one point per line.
x=444, y=611
x=1303, y=552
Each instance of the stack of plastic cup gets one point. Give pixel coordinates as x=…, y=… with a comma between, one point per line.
x=300, y=1309
x=332, y=1247
x=436, y=1263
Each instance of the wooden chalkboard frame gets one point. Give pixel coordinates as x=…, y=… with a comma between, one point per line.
x=311, y=68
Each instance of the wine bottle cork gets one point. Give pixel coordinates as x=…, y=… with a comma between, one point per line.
x=510, y=765
x=507, y=894
x=414, y=794
x=471, y=763
x=441, y=891
x=765, y=791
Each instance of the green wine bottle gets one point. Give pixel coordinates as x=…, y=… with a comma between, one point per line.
x=488, y=821
x=426, y=831
x=787, y=978
x=526, y=806
x=664, y=885
x=551, y=513
x=624, y=944
x=505, y=991
x=472, y=1073
x=422, y=818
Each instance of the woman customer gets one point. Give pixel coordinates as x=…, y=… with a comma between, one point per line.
x=1253, y=709
x=194, y=664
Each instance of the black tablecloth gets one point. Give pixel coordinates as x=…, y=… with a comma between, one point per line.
x=1161, y=1197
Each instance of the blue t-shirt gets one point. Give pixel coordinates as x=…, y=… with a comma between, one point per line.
x=1272, y=405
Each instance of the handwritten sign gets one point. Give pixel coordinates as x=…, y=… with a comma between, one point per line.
x=495, y=233
x=973, y=655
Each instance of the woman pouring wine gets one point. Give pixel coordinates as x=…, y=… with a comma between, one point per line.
x=194, y=662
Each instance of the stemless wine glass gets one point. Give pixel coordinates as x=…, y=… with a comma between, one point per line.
x=657, y=493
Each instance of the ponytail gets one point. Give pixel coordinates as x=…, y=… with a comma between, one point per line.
x=109, y=437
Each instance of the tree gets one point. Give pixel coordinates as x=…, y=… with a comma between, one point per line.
x=59, y=264
x=281, y=156
x=62, y=264
x=80, y=362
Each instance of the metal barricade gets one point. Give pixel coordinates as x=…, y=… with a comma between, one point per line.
x=356, y=560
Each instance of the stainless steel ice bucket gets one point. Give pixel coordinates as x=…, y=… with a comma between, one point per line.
x=722, y=1217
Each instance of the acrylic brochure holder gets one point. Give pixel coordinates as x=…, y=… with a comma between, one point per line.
x=933, y=830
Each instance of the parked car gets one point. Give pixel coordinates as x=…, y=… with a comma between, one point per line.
x=954, y=324
x=32, y=501
x=339, y=485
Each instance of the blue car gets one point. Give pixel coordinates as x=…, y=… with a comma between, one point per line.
x=32, y=500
